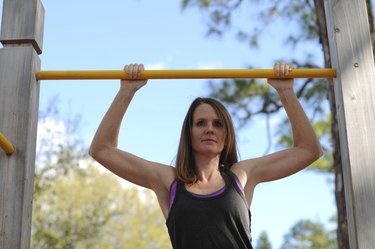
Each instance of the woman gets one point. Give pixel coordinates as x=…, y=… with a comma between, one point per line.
x=206, y=197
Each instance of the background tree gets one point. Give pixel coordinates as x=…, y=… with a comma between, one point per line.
x=307, y=17
x=79, y=205
x=307, y=234
x=86, y=208
x=263, y=242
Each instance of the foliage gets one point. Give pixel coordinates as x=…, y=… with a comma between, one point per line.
x=86, y=208
x=221, y=18
x=309, y=235
x=78, y=206
x=263, y=242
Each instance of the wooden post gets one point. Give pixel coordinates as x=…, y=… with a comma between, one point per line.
x=21, y=36
x=23, y=23
x=351, y=53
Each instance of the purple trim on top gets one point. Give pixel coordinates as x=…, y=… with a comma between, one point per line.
x=172, y=193
x=173, y=190
x=220, y=191
x=239, y=185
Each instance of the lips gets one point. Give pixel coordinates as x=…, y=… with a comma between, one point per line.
x=209, y=140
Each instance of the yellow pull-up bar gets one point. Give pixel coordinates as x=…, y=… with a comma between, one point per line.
x=6, y=145
x=185, y=74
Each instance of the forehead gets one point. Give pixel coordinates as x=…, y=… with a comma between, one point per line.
x=205, y=111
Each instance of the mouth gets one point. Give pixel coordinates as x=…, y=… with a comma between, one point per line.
x=209, y=140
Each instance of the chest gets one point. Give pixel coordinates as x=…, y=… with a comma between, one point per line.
x=207, y=188
x=224, y=204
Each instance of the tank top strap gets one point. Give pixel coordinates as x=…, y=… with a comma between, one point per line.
x=172, y=193
x=235, y=183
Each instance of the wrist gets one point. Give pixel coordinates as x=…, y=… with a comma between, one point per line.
x=285, y=89
x=126, y=93
x=286, y=92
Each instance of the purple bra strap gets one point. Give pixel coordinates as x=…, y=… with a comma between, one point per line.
x=172, y=193
x=238, y=183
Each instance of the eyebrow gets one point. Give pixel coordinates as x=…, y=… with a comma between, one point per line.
x=216, y=120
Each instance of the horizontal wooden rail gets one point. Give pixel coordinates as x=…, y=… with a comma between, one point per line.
x=185, y=74
x=6, y=145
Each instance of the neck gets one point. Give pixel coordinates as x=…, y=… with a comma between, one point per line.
x=207, y=169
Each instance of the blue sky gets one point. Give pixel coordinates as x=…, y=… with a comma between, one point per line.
x=108, y=34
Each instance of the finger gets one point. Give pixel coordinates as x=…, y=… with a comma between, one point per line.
x=131, y=71
x=140, y=70
x=276, y=69
x=285, y=69
x=290, y=69
x=282, y=69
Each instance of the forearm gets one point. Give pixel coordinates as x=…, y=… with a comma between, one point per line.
x=107, y=133
x=303, y=133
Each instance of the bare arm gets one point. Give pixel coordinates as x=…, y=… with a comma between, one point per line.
x=306, y=147
x=104, y=149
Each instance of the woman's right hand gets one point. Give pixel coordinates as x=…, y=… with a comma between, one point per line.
x=133, y=83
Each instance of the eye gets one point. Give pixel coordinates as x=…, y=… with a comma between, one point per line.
x=218, y=124
x=200, y=123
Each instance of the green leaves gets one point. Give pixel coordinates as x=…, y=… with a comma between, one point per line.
x=79, y=204
x=307, y=234
x=263, y=242
x=89, y=208
x=222, y=16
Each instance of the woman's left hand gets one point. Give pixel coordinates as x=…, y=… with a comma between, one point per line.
x=282, y=69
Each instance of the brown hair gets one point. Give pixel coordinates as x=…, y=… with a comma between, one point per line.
x=185, y=163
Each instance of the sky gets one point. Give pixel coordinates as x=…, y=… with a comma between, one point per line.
x=92, y=34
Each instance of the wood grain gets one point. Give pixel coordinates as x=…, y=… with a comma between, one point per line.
x=351, y=53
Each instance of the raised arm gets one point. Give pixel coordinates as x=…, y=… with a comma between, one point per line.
x=104, y=149
x=306, y=147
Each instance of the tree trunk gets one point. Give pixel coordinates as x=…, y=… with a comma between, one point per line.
x=342, y=227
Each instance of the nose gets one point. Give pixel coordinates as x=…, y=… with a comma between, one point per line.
x=210, y=128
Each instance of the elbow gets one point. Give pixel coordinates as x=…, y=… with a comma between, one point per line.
x=312, y=151
x=91, y=152
x=95, y=151
x=99, y=149
x=321, y=152
x=316, y=152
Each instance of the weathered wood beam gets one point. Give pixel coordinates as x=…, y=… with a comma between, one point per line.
x=352, y=56
x=21, y=35
x=23, y=23
x=19, y=98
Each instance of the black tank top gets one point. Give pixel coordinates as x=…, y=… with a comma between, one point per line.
x=220, y=222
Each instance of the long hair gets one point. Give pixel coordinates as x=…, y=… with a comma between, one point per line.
x=185, y=161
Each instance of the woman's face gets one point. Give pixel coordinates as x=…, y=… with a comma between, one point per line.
x=208, y=131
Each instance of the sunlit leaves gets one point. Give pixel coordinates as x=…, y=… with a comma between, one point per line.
x=77, y=205
x=309, y=235
x=87, y=208
x=263, y=242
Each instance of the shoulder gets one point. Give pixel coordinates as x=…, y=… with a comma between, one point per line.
x=246, y=171
x=240, y=170
x=166, y=176
x=244, y=168
x=243, y=171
